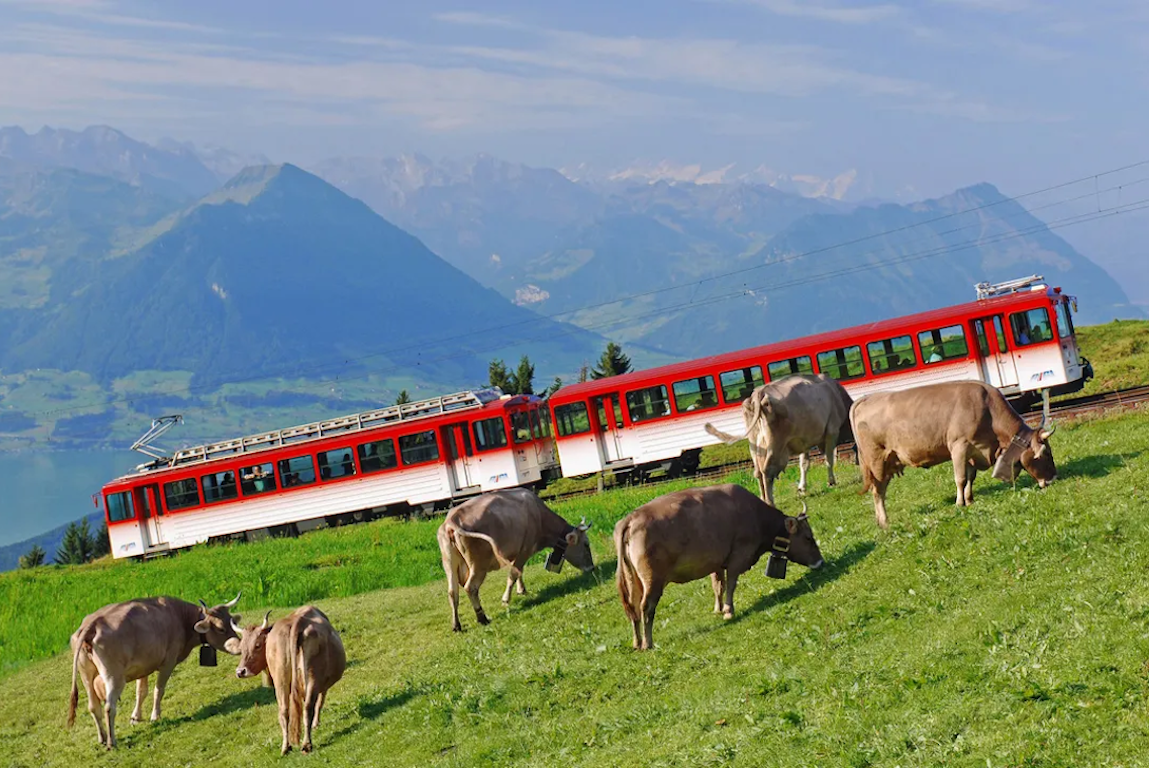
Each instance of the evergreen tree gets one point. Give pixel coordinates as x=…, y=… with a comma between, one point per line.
x=403, y=398
x=612, y=363
x=101, y=544
x=582, y=373
x=77, y=546
x=498, y=376
x=555, y=386
x=522, y=380
x=35, y=557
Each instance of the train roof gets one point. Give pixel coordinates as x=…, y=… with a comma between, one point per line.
x=1033, y=289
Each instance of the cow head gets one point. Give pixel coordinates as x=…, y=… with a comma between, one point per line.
x=215, y=624
x=803, y=549
x=1037, y=458
x=578, y=547
x=252, y=648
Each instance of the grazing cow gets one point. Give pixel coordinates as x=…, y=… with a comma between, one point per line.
x=131, y=640
x=788, y=417
x=499, y=529
x=304, y=657
x=966, y=422
x=722, y=531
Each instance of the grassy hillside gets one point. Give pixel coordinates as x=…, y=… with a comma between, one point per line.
x=1012, y=633
x=1119, y=352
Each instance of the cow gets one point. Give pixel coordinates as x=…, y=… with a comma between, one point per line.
x=132, y=640
x=304, y=656
x=966, y=422
x=720, y=530
x=788, y=417
x=504, y=529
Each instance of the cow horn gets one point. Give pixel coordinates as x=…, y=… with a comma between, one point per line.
x=1044, y=434
x=804, y=510
x=266, y=616
x=231, y=604
x=203, y=605
x=236, y=628
x=584, y=525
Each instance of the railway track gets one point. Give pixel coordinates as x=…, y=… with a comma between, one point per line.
x=1115, y=400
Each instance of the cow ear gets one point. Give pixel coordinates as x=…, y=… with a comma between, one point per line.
x=572, y=538
x=201, y=627
x=791, y=525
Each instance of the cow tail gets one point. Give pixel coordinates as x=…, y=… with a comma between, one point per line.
x=723, y=436
x=863, y=462
x=626, y=575
x=85, y=639
x=503, y=561
x=298, y=683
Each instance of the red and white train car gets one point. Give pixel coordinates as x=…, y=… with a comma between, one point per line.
x=418, y=455
x=1017, y=336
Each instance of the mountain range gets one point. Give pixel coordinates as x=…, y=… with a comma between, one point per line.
x=119, y=257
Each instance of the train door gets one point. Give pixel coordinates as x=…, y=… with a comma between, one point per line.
x=459, y=452
x=608, y=417
x=151, y=515
x=998, y=367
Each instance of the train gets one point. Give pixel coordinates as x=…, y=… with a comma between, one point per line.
x=429, y=455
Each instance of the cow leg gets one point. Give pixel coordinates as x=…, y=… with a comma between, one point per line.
x=456, y=572
x=768, y=490
x=162, y=677
x=718, y=581
x=879, y=491
x=515, y=576
x=731, y=583
x=115, y=687
x=93, y=685
x=652, y=594
x=141, y=694
x=522, y=588
x=310, y=710
x=958, y=457
x=283, y=700
x=760, y=475
x=320, y=700
x=803, y=468
x=474, y=581
x=970, y=475
x=830, y=451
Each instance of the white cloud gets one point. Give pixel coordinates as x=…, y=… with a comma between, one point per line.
x=841, y=14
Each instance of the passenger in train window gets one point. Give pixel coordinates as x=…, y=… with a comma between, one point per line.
x=348, y=465
x=935, y=355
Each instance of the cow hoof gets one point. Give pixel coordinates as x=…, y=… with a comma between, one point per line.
x=135, y=720
x=306, y=748
x=457, y=628
x=285, y=750
x=482, y=618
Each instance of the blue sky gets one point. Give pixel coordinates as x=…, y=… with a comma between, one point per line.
x=930, y=95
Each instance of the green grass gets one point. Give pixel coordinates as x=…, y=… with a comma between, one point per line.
x=1012, y=633
x=1119, y=352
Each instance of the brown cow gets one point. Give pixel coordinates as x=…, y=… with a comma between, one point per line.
x=722, y=530
x=791, y=416
x=500, y=529
x=966, y=422
x=129, y=641
x=304, y=657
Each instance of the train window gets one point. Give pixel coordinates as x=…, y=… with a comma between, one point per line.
x=695, y=394
x=418, y=448
x=737, y=385
x=572, y=419
x=299, y=470
x=943, y=344
x=377, y=456
x=537, y=425
x=489, y=434
x=780, y=369
x=892, y=354
x=521, y=426
x=180, y=494
x=120, y=507
x=845, y=363
x=1031, y=327
x=335, y=464
x=256, y=480
x=219, y=486
x=649, y=403
x=1064, y=321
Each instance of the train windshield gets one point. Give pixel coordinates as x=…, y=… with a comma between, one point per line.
x=1064, y=320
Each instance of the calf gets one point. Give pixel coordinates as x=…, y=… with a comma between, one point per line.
x=788, y=417
x=131, y=640
x=966, y=422
x=683, y=536
x=304, y=657
x=501, y=529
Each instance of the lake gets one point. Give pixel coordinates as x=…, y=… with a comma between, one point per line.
x=45, y=489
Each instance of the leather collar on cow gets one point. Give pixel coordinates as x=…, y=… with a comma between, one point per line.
x=1003, y=469
x=555, y=559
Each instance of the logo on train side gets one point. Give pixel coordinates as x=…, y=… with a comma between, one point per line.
x=128, y=547
x=498, y=478
x=1040, y=376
